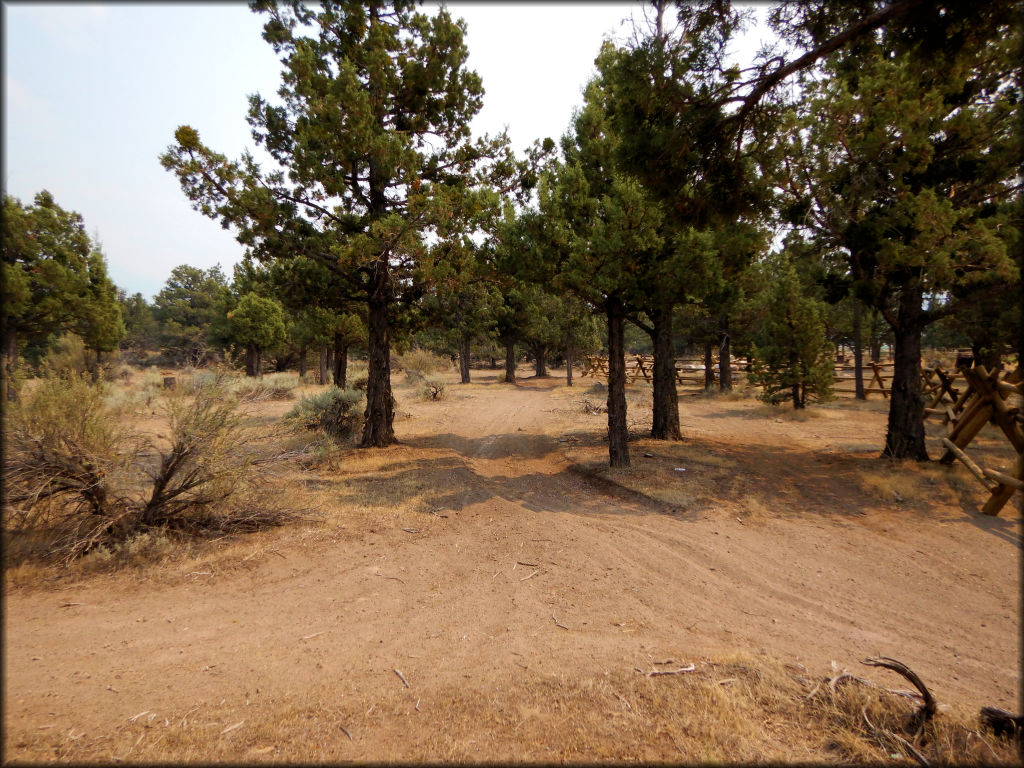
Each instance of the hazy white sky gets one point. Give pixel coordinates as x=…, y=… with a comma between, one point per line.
x=93, y=94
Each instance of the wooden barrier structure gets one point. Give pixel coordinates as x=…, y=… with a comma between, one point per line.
x=937, y=387
x=877, y=385
x=987, y=399
x=688, y=370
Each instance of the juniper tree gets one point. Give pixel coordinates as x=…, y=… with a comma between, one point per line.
x=666, y=99
x=791, y=357
x=462, y=300
x=372, y=149
x=187, y=310
x=54, y=280
x=257, y=323
x=906, y=157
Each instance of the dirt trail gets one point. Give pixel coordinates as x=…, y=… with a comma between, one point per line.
x=528, y=574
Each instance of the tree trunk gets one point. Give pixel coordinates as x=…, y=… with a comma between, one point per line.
x=250, y=360
x=302, y=362
x=340, y=361
x=94, y=367
x=325, y=363
x=709, y=365
x=540, y=354
x=858, y=355
x=876, y=350
x=10, y=363
x=797, y=394
x=618, y=434
x=905, y=434
x=568, y=361
x=725, y=358
x=510, y=362
x=464, y=358
x=494, y=363
x=378, y=429
x=665, y=398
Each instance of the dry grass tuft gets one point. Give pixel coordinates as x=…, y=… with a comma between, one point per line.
x=862, y=722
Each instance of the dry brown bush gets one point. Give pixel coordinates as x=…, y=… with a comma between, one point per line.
x=76, y=478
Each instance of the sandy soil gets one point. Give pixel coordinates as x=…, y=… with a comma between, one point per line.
x=527, y=575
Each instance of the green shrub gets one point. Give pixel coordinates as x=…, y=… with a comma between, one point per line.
x=67, y=355
x=336, y=412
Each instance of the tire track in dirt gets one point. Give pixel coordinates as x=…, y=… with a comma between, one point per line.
x=475, y=602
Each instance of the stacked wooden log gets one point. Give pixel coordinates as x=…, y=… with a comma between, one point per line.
x=989, y=397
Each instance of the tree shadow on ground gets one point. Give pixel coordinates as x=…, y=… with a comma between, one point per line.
x=792, y=483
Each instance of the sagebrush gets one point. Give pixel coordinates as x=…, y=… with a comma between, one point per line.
x=76, y=477
x=335, y=411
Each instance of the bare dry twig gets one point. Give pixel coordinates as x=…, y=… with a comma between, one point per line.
x=659, y=672
x=930, y=706
x=402, y=678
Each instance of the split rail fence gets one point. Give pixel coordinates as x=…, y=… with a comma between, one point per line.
x=689, y=371
x=988, y=397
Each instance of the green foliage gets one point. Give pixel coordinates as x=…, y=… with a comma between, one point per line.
x=54, y=280
x=791, y=357
x=99, y=322
x=142, y=331
x=334, y=411
x=67, y=354
x=372, y=135
x=188, y=308
x=256, y=322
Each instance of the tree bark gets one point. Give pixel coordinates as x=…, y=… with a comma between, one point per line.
x=340, y=360
x=250, y=360
x=905, y=433
x=302, y=362
x=378, y=429
x=568, y=361
x=858, y=354
x=540, y=355
x=797, y=393
x=618, y=434
x=709, y=365
x=725, y=358
x=510, y=362
x=325, y=363
x=10, y=363
x=665, y=398
x=464, y=358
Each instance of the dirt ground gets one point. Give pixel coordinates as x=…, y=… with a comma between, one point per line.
x=489, y=590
